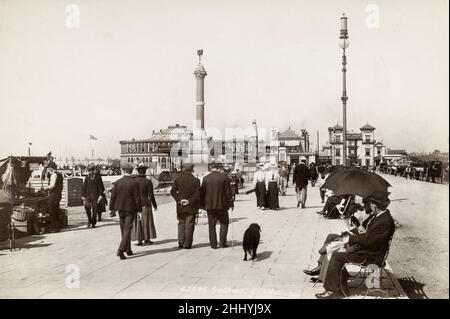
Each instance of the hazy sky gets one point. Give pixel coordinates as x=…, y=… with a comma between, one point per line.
x=128, y=70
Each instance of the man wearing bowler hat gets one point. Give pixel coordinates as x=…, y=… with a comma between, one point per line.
x=301, y=177
x=92, y=195
x=126, y=198
x=186, y=192
x=217, y=199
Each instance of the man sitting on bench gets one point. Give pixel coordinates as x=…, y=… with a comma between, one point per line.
x=368, y=248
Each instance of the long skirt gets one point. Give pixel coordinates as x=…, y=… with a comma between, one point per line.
x=144, y=229
x=260, y=191
x=272, y=196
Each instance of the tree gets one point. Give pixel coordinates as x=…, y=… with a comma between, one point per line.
x=436, y=152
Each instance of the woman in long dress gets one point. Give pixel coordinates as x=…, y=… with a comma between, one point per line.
x=272, y=186
x=259, y=184
x=144, y=226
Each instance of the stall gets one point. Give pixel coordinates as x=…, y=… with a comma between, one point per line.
x=24, y=205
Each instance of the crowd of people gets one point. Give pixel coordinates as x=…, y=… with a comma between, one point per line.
x=133, y=198
x=271, y=180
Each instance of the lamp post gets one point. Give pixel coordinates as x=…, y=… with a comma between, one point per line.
x=29, y=148
x=257, y=146
x=343, y=44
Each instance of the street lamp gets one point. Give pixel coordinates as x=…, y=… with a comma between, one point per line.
x=257, y=146
x=343, y=44
x=29, y=148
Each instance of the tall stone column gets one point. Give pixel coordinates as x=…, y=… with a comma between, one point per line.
x=199, y=151
x=200, y=74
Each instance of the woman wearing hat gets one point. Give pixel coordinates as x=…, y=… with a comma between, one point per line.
x=259, y=184
x=144, y=227
x=272, y=181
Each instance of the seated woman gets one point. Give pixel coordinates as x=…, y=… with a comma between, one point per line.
x=331, y=202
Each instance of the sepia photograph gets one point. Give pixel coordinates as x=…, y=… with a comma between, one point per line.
x=238, y=150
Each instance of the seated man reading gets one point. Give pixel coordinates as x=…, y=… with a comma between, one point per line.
x=360, y=219
x=368, y=247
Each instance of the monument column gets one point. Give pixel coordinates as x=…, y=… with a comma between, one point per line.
x=199, y=150
x=200, y=74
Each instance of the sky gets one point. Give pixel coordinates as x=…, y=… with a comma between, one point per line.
x=126, y=69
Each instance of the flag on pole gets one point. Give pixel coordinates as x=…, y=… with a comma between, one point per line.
x=92, y=137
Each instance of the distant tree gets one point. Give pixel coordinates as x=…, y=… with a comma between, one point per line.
x=436, y=152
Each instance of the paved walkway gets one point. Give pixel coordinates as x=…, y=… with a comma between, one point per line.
x=290, y=239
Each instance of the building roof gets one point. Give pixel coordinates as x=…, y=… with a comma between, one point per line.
x=173, y=133
x=337, y=127
x=367, y=127
x=289, y=134
x=396, y=152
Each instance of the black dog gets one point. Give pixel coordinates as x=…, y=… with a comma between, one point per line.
x=251, y=240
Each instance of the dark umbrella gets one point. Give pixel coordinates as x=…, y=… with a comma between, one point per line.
x=354, y=181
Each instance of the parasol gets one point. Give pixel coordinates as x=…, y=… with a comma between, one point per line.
x=354, y=181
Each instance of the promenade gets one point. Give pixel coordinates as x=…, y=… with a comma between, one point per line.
x=290, y=238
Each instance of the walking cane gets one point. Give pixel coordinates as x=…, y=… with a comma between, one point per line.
x=232, y=234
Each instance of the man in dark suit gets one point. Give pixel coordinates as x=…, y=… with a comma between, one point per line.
x=368, y=248
x=186, y=192
x=92, y=191
x=55, y=188
x=217, y=199
x=126, y=199
x=300, y=179
x=360, y=228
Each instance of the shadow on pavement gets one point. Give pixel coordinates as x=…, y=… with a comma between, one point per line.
x=165, y=241
x=398, y=199
x=287, y=208
x=264, y=255
x=412, y=288
x=242, y=200
x=154, y=251
x=236, y=219
x=84, y=227
x=200, y=245
x=26, y=242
